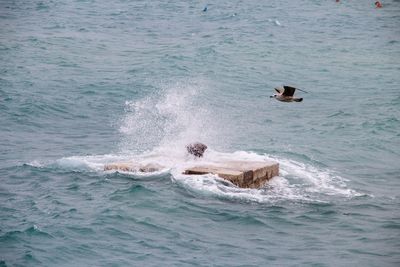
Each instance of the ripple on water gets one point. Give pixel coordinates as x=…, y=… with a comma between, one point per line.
x=137, y=80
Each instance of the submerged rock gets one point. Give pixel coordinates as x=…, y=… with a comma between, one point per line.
x=133, y=167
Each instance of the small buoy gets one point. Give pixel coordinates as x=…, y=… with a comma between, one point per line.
x=378, y=4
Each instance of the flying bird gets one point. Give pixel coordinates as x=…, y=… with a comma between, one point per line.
x=285, y=94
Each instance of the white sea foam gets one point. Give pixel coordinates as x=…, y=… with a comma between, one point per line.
x=297, y=181
x=315, y=180
x=275, y=21
x=36, y=163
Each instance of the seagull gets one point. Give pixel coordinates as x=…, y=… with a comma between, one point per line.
x=286, y=93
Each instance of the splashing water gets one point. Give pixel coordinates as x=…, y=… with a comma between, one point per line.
x=158, y=127
x=173, y=117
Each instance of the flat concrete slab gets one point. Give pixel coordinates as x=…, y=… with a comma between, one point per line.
x=246, y=174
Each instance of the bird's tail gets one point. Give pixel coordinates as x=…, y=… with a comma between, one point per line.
x=297, y=99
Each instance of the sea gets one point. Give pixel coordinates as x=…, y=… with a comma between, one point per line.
x=86, y=83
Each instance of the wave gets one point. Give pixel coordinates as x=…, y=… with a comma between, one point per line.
x=30, y=231
x=157, y=128
x=298, y=181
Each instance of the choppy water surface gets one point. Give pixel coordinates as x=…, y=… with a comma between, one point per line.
x=86, y=83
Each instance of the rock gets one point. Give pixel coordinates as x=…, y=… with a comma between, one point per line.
x=245, y=174
x=151, y=167
x=132, y=167
x=196, y=149
x=121, y=166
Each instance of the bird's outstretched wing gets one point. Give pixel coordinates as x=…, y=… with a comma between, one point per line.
x=289, y=90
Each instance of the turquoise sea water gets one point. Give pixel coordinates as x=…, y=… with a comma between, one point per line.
x=86, y=83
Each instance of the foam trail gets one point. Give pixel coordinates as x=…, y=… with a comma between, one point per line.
x=315, y=180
